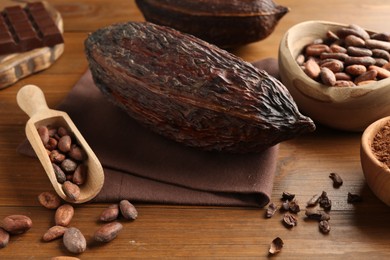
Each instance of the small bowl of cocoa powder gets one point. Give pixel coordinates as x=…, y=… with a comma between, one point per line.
x=338, y=74
x=375, y=158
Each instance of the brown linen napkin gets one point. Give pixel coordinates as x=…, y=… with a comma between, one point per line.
x=142, y=166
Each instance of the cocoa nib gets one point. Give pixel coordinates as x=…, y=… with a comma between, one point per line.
x=187, y=90
x=276, y=246
x=353, y=198
x=337, y=181
x=271, y=210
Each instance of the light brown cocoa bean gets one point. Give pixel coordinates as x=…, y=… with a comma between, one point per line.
x=355, y=70
x=4, y=238
x=378, y=53
x=77, y=153
x=300, y=59
x=376, y=44
x=43, y=133
x=68, y=165
x=381, y=72
x=49, y=199
x=74, y=241
x=65, y=143
x=366, y=82
x=71, y=190
x=336, y=48
x=366, y=60
x=344, y=83
x=334, y=66
x=80, y=174
x=59, y=173
x=352, y=40
x=51, y=144
x=64, y=258
x=64, y=215
x=327, y=76
x=316, y=49
x=358, y=51
x=108, y=232
x=312, y=69
x=16, y=224
x=342, y=76
x=128, y=210
x=110, y=213
x=56, y=157
x=368, y=75
x=333, y=55
x=53, y=233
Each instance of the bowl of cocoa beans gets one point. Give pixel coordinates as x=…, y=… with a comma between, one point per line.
x=375, y=158
x=338, y=74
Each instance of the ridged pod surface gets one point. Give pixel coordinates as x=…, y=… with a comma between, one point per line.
x=191, y=91
x=224, y=23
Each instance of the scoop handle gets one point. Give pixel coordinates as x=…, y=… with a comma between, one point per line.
x=31, y=100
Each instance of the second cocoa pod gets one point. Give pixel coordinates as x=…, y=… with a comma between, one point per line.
x=224, y=23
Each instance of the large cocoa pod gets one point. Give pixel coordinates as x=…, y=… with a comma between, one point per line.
x=191, y=91
x=224, y=23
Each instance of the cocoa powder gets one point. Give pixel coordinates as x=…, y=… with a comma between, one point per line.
x=381, y=144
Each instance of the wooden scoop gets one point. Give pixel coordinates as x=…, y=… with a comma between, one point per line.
x=31, y=100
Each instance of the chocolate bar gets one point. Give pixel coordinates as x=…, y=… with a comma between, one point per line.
x=24, y=29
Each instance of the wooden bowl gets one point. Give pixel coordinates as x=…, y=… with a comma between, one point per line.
x=345, y=108
x=377, y=174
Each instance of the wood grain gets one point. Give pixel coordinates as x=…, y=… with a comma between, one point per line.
x=359, y=231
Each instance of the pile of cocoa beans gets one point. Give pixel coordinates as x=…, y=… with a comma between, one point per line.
x=67, y=158
x=347, y=57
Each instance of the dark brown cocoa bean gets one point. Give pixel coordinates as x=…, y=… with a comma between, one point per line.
x=378, y=53
x=333, y=55
x=317, y=214
x=51, y=144
x=59, y=173
x=355, y=70
x=68, y=165
x=366, y=61
x=381, y=37
x=376, y=44
x=358, y=51
x=16, y=224
x=335, y=48
x=196, y=77
x=313, y=201
x=312, y=69
x=327, y=77
x=353, y=198
x=56, y=157
x=77, y=153
x=342, y=76
x=324, y=201
x=352, y=40
x=336, y=178
x=80, y=174
x=62, y=131
x=368, y=75
x=49, y=200
x=108, y=232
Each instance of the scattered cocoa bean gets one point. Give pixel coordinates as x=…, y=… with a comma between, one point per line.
x=110, y=213
x=286, y=205
x=287, y=196
x=290, y=220
x=71, y=190
x=276, y=246
x=108, y=232
x=313, y=201
x=64, y=215
x=324, y=226
x=353, y=198
x=4, y=238
x=128, y=210
x=54, y=233
x=272, y=208
x=316, y=214
x=49, y=200
x=74, y=241
x=16, y=224
x=324, y=201
x=337, y=180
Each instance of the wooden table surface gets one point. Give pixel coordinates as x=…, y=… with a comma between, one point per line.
x=359, y=231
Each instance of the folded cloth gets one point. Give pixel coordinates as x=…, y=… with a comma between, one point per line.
x=142, y=166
